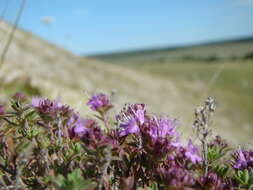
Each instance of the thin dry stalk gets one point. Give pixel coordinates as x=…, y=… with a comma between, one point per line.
x=104, y=168
x=202, y=125
x=6, y=47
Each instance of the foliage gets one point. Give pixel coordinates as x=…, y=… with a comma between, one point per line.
x=47, y=145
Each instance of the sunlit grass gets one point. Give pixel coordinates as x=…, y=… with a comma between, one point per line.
x=233, y=88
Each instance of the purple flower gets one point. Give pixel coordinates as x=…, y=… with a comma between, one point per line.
x=19, y=96
x=176, y=177
x=96, y=138
x=40, y=102
x=129, y=127
x=48, y=108
x=99, y=102
x=218, y=142
x=177, y=143
x=192, y=153
x=159, y=136
x=131, y=119
x=162, y=127
x=136, y=111
x=241, y=162
x=78, y=126
x=212, y=181
x=243, y=159
x=139, y=112
x=36, y=101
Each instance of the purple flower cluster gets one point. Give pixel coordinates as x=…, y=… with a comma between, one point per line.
x=162, y=127
x=214, y=182
x=129, y=127
x=135, y=120
x=136, y=150
x=158, y=134
x=77, y=126
x=159, y=143
x=50, y=109
x=46, y=105
x=131, y=119
x=243, y=159
x=192, y=153
x=99, y=102
x=176, y=177
x=88, y=131
x=174, y=171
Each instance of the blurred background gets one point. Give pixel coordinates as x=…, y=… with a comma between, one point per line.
x=169, y=54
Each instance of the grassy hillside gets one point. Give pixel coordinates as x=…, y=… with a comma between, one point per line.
x=43, y=68
x=53, y=72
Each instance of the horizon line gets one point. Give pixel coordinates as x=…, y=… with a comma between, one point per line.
x=172, y=47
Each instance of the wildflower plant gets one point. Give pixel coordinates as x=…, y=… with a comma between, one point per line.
x=48, y=145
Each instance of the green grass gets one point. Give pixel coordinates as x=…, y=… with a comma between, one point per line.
x=25, y=87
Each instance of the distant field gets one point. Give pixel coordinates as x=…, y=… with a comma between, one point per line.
x=231, y=83
x=240, y=49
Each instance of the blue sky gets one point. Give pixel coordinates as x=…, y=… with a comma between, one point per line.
x=92, y=26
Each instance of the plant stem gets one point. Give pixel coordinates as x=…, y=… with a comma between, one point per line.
x=6, y=47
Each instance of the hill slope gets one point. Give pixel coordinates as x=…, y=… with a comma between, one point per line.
x=53, y=72
x=56, y=72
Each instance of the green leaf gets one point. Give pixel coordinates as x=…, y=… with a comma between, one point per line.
x=243, y=177
x=246, y=176
x=22, y=146
x=221, y=170
x=73, y=181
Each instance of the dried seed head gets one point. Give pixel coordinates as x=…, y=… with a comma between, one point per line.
x=210, y=103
